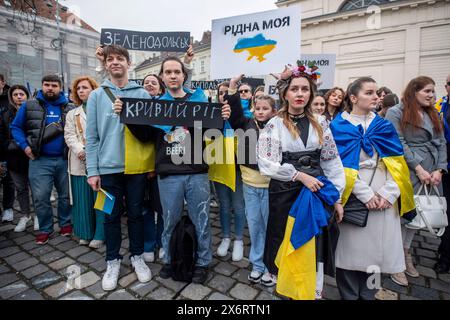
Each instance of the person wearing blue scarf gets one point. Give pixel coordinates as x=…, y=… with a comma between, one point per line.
x=178, y=181
x=245, y=91
x=443, y=107
x=152, y=203
x=376, y=174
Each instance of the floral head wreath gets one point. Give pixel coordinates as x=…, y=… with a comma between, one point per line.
x=307, y=71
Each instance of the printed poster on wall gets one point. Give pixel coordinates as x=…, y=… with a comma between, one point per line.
x=255, y=44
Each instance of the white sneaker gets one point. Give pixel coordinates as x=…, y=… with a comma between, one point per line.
x=36, y=223
x=96, y=244
x=142, y=271
x=269, y=280
x=109, y=281
x=149, y=256
x=255, y=276
x=222, y=250
x=83, y=242
x=22, y=224
x=318, y=294
x=238, y=250
x=161, y=253
x=8, y=215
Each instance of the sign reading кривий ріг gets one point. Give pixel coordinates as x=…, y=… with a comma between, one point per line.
x=171, y=113
x=146, y=41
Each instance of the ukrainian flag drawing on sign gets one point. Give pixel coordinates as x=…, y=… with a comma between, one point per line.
x=104, y=202
x=257, y=46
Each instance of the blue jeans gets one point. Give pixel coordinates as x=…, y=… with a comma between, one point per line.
x=195, y=188
x=130, y=186
x=231, y=200
x=44, y=172
x=152, y=231
x=257, y=211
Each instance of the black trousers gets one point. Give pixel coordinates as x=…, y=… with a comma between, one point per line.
x=8, y=192
x=352, y=285
x=444, y=248
x=22, y=185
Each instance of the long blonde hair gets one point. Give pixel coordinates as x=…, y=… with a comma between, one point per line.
x=283, y=112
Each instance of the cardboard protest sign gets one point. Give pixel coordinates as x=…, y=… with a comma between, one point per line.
x=170, y=112
x=205, y=85
x=146, y=41
x=213, y=84
x=327, y=67
x=255, y=44
x=270, y=87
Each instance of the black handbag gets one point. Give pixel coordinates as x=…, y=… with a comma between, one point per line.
x=13, y=147
x=355, y=211
x=51, y=131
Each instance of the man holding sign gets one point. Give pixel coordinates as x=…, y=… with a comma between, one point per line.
x=182, y=173
x=107, y=143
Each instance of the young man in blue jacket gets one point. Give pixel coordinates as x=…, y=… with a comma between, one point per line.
x=32, y=129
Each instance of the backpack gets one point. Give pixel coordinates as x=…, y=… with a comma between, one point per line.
x=183, y=250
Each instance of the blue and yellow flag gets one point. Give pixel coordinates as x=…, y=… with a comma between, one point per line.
x=296, y=258
x=221, y=161
x=381, y=136
x=104, y=202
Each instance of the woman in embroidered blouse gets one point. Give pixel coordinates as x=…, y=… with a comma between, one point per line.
x=87, y=222
x=294, y=148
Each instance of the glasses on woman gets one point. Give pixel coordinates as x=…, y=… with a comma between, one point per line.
x=244, y=91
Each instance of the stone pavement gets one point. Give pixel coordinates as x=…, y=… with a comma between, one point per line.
x=64, y=270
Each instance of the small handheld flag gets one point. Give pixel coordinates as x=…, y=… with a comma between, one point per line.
x=104, y=202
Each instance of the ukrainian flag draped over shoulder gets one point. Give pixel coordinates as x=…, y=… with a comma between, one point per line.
x=296, y=257
x=139, y=156
x=221, y=159
x=382, y=136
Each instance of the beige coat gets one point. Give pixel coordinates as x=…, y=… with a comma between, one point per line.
x=74, y=141
x=379, y=244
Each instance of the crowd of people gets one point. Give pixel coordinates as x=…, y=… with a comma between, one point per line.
x=314, y=157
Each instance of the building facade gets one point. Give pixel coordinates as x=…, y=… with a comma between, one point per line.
x=392, y=41
x=29, y=45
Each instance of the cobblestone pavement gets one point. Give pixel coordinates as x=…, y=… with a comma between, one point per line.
x=64, y=270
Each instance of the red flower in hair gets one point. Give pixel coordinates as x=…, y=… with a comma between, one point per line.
x=302, y=68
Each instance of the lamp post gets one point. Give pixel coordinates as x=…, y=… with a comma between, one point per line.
x=58, y=43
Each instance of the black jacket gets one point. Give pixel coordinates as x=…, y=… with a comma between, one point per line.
x=239, y=121
x=9, y=150
x=4, y=100
x=35, y=124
